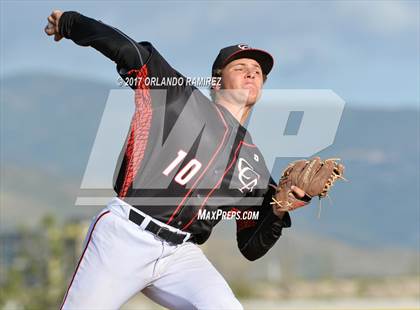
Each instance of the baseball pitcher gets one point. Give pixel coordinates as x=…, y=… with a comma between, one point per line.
x=184, y=156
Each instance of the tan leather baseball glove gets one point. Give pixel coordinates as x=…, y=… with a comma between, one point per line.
x=315, y=177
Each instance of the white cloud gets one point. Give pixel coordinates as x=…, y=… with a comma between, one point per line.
x=381, y=17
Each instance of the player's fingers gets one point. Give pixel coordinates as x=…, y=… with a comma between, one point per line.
x=49, y=29
x=51, y=20
x=300, y=193
x=56, y=13
x=57, y=37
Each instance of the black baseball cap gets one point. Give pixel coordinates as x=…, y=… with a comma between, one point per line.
x=231, y=53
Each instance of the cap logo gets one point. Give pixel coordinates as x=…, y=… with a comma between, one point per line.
x=243, y=46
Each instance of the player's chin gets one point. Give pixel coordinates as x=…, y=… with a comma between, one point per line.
x=251, y=102
x=253, y=98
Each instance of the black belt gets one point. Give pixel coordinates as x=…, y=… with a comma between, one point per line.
x=160, y=231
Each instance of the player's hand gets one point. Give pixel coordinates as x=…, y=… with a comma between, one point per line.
x=52, y=28
x=298, y=193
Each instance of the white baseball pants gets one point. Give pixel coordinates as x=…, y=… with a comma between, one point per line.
x=120, y=259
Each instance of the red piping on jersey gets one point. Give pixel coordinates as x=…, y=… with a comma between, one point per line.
x=204, y=171
x=139, y=131
x=220, y=181
x=81, y=257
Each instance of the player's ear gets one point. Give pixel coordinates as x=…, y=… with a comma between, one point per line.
x=217, y=82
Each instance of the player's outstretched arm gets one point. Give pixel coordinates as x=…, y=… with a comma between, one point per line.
x=85, y=31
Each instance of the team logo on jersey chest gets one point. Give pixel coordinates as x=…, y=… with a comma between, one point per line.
x=247, y=176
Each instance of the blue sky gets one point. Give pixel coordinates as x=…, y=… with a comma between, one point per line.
x=366, y=51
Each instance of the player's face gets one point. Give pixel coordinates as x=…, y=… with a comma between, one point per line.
x=246, y=74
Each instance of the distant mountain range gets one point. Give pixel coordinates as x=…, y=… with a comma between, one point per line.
x=49, y=123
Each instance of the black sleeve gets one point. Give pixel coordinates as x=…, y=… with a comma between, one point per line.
x=255, y=238
x=110, y=41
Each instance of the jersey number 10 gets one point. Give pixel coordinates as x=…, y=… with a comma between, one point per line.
x=187, y=172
